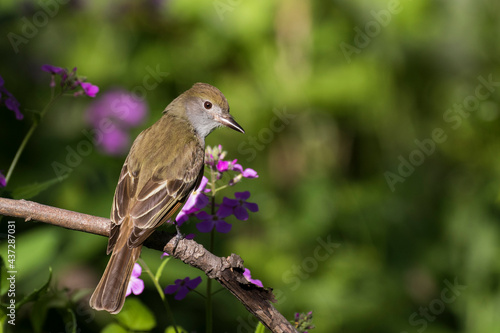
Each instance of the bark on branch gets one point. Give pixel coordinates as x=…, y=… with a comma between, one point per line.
x=227, y=271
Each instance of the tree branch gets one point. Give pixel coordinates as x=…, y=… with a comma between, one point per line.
x=227, y=271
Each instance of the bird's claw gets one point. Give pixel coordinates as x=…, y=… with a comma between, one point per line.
x=179, y=236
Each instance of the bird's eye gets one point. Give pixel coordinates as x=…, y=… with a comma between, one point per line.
x=207, y=105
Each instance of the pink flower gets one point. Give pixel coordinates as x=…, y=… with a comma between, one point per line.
x=248, y=276
x=247, y=173
x=89, y=89
x=135, y=285
x=222, y=165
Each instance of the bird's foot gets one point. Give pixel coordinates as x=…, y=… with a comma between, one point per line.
x=179, y=236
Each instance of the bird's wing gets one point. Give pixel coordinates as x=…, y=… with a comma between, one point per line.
x=124, y=194
x=149, y=199
x=160, y=198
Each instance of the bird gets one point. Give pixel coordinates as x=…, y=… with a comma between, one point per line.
x=164, y=165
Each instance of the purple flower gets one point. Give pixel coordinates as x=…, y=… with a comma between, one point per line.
x=238, y=206
x=135, y=285
x=89, y=89
x=182, y=287
x=118, y=106
x=208, y=222
x=115, y=142
x=182, y=217
x=248, y=276
x=3, y=181
x=9, y=100
x=112, y=115
x=196, y=201
x=53, y=69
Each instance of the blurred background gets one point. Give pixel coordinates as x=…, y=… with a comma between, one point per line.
x=373, y=126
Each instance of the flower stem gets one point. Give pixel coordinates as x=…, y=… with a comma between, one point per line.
x=209, y=310
x=209, y=314
x=160, y=291
x=19, y=151
x=26, y=139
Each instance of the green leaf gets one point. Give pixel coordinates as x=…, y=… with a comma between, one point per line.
x=37, y=293
x=160, y=269
x=29, y=191
x=39, y=313
x=136, y=316
x=53, y=299
x=69, y=319
x=260, y=328
x=171, y=329
x=113, y=328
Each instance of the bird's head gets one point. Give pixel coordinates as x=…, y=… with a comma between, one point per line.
x=207, y=108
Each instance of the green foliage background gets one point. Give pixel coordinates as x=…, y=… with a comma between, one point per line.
x=356, y=114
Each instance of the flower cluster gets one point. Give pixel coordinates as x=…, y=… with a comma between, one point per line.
x=303, y=322
x=112, y=116
x=9, y=100
x=70, y=81
x=214, y=160
x=239, y=206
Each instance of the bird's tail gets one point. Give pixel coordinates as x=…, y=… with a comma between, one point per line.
x=110, y=293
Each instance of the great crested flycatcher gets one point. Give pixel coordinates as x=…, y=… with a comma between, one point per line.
x=162, y=168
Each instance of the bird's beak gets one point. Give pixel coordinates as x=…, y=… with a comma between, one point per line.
x=231, y=123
